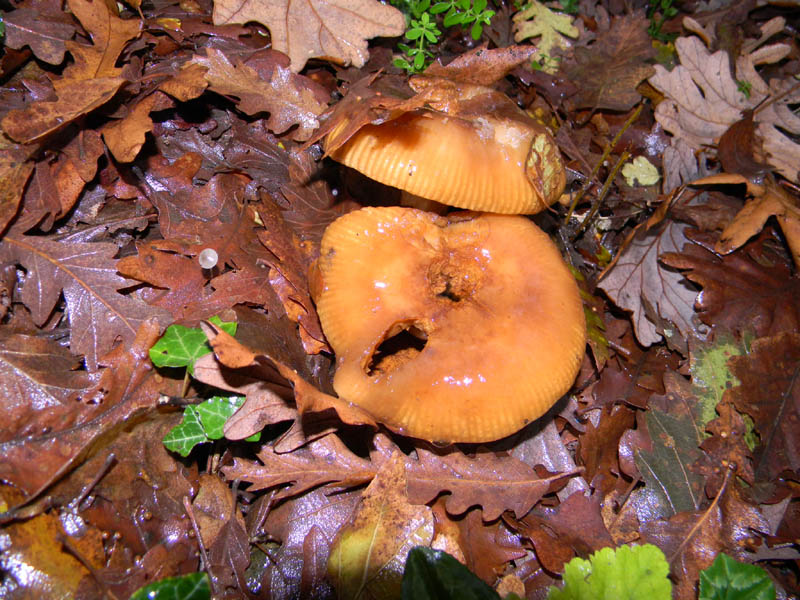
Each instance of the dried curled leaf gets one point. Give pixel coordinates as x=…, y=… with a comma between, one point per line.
x=334, y=29
x=703, y=99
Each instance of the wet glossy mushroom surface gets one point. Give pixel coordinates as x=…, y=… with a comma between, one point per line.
x=458, y=329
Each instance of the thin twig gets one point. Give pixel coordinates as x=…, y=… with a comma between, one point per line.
x=601, y=162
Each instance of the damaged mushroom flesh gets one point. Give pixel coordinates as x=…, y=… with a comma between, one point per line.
x=458, y=329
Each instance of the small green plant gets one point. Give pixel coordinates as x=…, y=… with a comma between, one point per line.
x=423, y=30
x=570, y=7
x=745, y=87
x=626, y=572
x=659, y=12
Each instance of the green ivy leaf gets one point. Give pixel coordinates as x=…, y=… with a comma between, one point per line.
x=435, y=575
x=729, y=579
x=181, y=346
x=194, y=586
x=203, y=423
x=215, y=412
x=185, y=436
x=627, y=573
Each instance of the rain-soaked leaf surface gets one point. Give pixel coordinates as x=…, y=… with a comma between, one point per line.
x=165, y=163
x=368, y=555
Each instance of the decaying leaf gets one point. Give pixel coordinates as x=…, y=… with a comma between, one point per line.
x=334, y=29
x=33, y=462
x=609, y=70
x=747, y=292
x=767, y=200
x=13, y=178
x=39, y=382
x=86, y=275
x=326, y=460
x=666, y=467
x=478, y=480
x=482, y=66
x=537, y=20
x=693, y=538
x=37, y=560
x=126, y=137
x=368, y=556
x=769, y=391
x=43, y=27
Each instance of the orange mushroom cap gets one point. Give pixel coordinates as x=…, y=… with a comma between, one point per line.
x=502, y=164
x=459, y=329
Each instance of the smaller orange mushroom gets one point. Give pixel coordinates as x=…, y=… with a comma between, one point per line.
x=458, y=329
x=480, y=153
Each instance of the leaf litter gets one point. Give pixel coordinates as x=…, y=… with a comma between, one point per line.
x=139, y=136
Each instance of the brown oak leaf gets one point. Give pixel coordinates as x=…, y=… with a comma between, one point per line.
x=39, y=386
x=289, y=98
x=609, y=70
x=638, y=279
x=334, y=29
x=691, y=540
x=86, y=274
x=494, y=482
x=43, y=27
x=751, y=290
x=91, y=81
x=769, y=391
x=126, y=137
x=32, y=463
x=323, y=461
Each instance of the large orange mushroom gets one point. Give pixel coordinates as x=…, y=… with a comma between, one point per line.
x=457, y=329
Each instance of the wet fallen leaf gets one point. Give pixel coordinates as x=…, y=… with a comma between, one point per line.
x=37, y=559
x=126, y=137
x=752, y=291
x=691, y=539
x=478, y=480
x=120, y=392
x=43, y=27
x=638, y=279
x=39, y=385
x=367, y=557
x=86, y=274
x=326, y=460
x=610, y=69
x=704, y=100
x=91, y=81
x=770, y=373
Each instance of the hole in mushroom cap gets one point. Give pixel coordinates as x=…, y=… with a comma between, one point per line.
x=453, y=279
x=402, y=343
